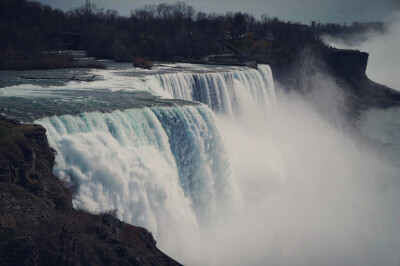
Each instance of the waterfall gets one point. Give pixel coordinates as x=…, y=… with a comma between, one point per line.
x=226, y=92
x=163, y=168
x=152, y=165
x=236, y=176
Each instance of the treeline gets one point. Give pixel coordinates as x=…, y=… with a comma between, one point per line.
x=162, y=32
x=27, y=29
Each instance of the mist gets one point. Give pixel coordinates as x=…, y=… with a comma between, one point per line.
x=308, y=191
x=384, y=54
x=300, y=187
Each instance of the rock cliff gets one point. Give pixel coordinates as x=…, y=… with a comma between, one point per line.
x=347, y=68
x=347, y=63
x=38, y=225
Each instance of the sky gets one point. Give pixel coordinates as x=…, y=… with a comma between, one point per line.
x=339, y=11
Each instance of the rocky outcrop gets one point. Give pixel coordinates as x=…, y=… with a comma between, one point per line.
x=347, y=68
x=368, y=94
x=26, y=160
x=38, y=225
x=347, y=63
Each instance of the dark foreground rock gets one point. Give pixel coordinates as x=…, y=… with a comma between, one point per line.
x=38, y=225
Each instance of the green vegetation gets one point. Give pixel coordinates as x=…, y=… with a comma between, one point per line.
x=12, y=133
x=244, y=46
x=8, y=134
x=264, y=51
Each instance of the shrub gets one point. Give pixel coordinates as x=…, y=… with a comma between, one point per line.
x=142, y=62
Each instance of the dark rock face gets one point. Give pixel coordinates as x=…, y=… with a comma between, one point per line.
x=17, y=249
x=348, y=63
x=27, y=160
x=367, y=94
x=38, y=225
x=348, y=69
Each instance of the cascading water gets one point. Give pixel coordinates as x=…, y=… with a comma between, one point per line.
x=228, y=92
x=267, y=180
x=159, y=167
x=146, y=163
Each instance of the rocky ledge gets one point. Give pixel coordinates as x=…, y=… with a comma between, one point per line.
x=38, y=225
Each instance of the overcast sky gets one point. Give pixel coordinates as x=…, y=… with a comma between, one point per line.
x=293, y=10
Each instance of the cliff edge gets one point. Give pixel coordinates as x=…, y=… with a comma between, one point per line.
x=38, y=225
x=347, y=68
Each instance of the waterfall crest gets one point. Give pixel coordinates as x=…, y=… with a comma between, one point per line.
x=224, y=92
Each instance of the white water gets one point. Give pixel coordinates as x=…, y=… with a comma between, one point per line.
x=223, y=92
x=269, y=181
